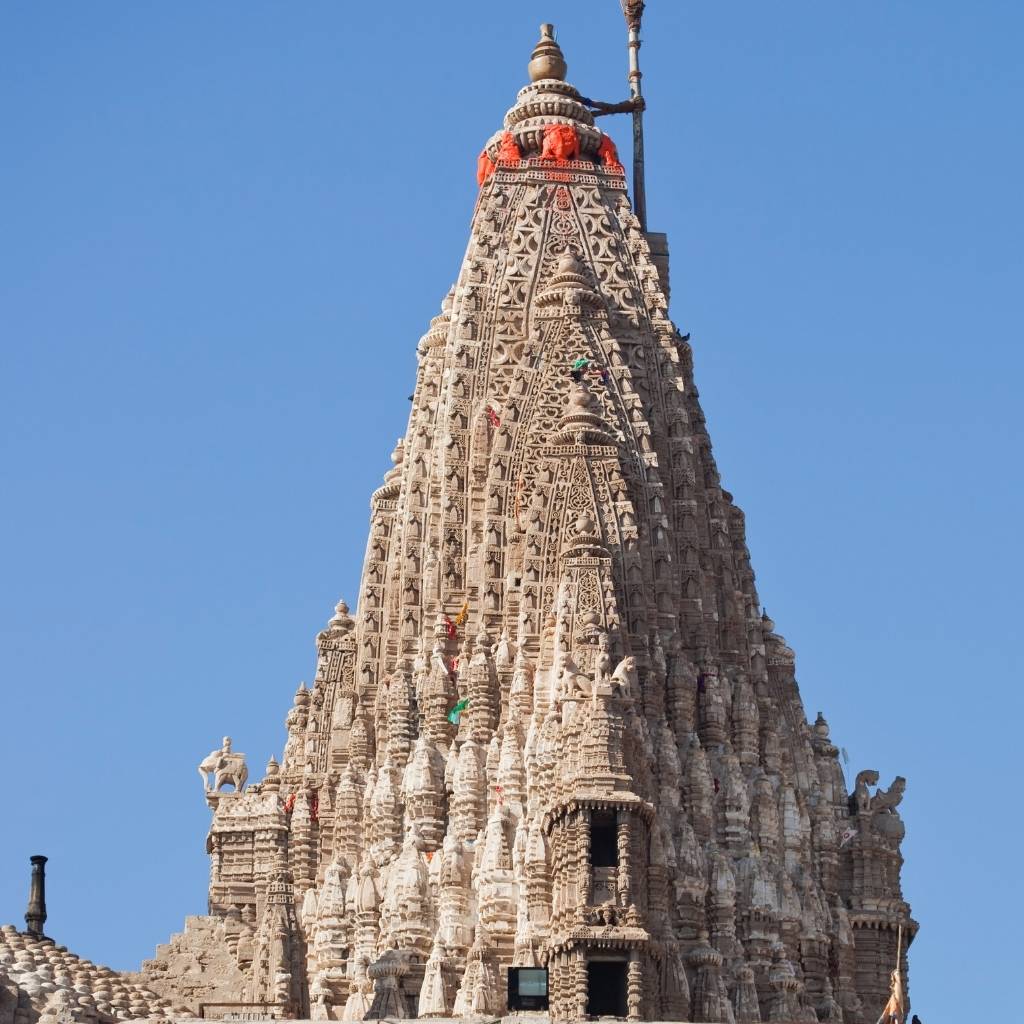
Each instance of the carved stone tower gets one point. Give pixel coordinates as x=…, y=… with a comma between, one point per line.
x=558, y=741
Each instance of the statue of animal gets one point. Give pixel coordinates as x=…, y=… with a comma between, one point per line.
x=561, y=142
x=860, y=799
x=887, y=800
x=226, y=766
x=609, y=154
x=571, y=681
x=624, y=678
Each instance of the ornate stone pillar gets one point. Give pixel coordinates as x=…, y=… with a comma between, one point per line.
x=625, y=842
x=634, y=986
x=586, y=871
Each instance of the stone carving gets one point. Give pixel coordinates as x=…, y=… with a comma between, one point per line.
x=887, y=800
x=883, y=801
x=226, y=766
x=560, y=143
x=631, y=777
x=624, y=677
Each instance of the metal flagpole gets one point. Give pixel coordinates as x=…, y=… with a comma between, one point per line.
x=634, y=11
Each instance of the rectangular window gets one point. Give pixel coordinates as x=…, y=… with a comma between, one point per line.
x=604, y=840
x=527, y=988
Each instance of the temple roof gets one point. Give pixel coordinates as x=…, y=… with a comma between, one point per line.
x=46, y=979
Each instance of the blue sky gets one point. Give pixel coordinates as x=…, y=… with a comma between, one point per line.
x=225, y=227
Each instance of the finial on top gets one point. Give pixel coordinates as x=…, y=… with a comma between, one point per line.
x=547, y=60
x=634, y=11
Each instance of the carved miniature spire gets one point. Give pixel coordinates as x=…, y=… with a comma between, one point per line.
x=341, y=620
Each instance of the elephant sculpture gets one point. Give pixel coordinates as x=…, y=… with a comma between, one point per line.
x=226, y=766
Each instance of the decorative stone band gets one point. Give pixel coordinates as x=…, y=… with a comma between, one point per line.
x=605, y=938
x=599, y=802
x=557, y=146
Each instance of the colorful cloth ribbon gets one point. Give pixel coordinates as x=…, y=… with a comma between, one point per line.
x=492, y=417
x=456, y=712
x=463, y=612
x=450, y=628
x=289, y=804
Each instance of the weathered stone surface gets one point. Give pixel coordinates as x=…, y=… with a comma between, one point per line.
x=41, y=981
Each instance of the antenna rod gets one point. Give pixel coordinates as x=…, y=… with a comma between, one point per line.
x=634, y=11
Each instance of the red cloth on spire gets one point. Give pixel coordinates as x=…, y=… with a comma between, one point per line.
x=484, y=167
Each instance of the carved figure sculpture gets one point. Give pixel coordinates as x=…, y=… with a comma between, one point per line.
x=609, y=154
x=624, y=678
x=226, y=766
x=861, y=795
x=887, y=800
x=560, y=143
x=508, y=150
x=485, y=167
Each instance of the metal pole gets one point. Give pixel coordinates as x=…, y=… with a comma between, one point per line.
x=634, y=10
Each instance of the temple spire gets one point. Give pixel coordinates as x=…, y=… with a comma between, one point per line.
x=637, y=731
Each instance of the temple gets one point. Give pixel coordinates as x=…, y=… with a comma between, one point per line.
x=556, y=762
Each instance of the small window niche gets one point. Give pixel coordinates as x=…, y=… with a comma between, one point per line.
x=604, y=840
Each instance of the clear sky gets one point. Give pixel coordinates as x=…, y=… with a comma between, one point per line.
x=224, y=228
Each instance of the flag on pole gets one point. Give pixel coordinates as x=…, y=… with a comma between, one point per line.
x=456, y=712
x=895, y=1011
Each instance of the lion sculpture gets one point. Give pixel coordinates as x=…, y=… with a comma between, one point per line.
x=561, y=143
x=624, y=678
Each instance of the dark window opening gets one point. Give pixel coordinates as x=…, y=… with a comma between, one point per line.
x=606, y=988
x=604, y=840
x=527, y=988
